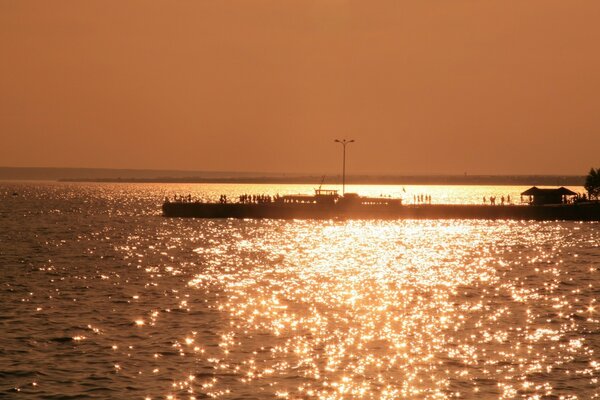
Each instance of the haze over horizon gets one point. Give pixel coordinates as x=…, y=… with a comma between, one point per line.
x=424, y=88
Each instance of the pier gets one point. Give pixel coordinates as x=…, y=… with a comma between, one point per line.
x=589, y=211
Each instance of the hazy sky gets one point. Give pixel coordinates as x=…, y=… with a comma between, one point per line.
x=443, y=86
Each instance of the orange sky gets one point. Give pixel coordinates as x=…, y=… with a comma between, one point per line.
x=489, y=86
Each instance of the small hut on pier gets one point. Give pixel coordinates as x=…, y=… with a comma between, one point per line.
x=538, y=196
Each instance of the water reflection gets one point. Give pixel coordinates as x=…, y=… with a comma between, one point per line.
x=388, y=310
x=101, y=297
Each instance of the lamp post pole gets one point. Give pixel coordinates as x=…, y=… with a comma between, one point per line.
x=343, y=142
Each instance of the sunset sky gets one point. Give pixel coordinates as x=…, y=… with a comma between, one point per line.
x=484, y=87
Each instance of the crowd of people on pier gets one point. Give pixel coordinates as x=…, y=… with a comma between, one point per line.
x=181, y=199
x=417, y=199
x=580, y=197
x=493, y=200
x=258, y=199
x=502, y=201
x=223, y=199
x=422, y=199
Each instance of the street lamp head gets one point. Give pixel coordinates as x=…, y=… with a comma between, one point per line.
x=351, y=141
x=337, y=140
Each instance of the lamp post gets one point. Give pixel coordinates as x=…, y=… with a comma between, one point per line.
x=343, y=142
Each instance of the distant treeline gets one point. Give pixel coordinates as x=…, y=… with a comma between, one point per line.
x=91, y=174
x=539, y=180
x=176, y=176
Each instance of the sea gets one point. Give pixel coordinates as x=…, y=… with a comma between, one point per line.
x=103, y=298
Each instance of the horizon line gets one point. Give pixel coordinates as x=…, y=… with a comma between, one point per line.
x=263, y=174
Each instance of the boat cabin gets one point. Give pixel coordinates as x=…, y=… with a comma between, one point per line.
x=538, y=196
x=326, y=196
x=354, y=198
x=321, y=196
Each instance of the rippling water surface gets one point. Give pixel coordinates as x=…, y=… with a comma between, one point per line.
x=103, y=298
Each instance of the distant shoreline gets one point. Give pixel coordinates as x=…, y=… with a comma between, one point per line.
x=106, y=175
x=541, y=180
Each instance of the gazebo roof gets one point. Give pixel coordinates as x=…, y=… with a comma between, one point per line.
x=536, y=191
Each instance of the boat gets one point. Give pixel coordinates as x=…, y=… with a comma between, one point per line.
x=324, y=204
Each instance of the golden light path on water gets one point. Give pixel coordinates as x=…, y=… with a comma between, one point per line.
x=358, y=311
x=405, y=309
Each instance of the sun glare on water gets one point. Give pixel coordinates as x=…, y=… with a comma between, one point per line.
x=380, y=310
x=229, y=308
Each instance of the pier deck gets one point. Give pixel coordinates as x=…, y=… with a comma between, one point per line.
x=571, y=212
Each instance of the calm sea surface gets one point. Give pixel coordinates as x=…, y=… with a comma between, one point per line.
x=101, y=297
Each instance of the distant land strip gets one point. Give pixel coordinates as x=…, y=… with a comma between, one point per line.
x=178, y=176
x=539, y=180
